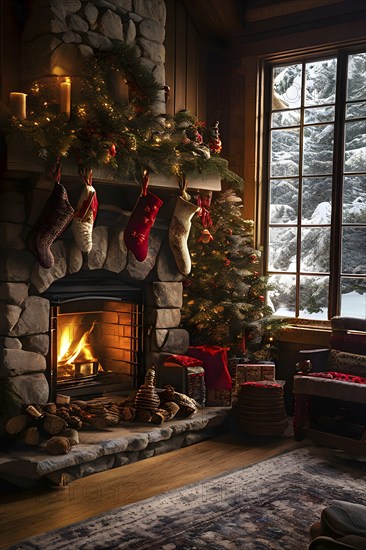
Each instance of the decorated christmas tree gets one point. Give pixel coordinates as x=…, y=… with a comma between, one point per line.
x=225, y=293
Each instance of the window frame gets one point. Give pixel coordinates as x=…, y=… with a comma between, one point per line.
x=266, y=64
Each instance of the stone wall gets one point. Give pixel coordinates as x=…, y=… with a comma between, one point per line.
x=25, y=313
x=57, y=37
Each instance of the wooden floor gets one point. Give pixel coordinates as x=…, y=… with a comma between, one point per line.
x=27, y=513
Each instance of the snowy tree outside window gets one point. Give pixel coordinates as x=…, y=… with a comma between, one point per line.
x=316, y=226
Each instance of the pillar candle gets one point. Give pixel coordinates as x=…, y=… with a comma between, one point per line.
x=18, y=104
x=65, y=97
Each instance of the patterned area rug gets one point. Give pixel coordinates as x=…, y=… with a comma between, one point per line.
x=269, y=505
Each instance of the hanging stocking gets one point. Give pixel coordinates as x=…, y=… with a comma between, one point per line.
x=136, y=234
x=53, y=220
x=85, y=213
x=179, y=229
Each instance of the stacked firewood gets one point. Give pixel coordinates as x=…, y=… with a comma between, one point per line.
x=56, y=426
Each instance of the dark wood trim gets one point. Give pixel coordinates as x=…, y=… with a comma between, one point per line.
x=9, y=50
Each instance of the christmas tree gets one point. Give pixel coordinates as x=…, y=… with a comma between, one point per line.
x=225, y=293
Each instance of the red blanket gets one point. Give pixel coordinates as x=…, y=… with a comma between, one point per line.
x=343, y=376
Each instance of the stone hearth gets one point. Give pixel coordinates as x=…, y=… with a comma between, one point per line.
x=103, y=450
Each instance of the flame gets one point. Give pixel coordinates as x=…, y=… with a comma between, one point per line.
x=82, y=349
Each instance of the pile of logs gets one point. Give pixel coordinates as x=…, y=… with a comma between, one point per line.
x=55, y=426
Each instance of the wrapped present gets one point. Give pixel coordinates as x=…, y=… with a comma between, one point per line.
x=254, y=372
x=185, y=374
x=217, y=377
x=196, y=387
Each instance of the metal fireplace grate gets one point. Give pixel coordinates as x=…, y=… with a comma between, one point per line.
x=96, y=338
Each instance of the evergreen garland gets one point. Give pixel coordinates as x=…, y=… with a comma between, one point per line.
x=129, y=137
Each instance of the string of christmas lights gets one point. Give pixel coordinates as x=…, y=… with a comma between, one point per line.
x=224, y=295
x=122, y=129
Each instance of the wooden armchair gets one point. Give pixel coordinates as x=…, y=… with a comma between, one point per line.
x=330, y=401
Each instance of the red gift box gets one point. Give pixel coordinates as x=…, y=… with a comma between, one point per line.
x=217, y=377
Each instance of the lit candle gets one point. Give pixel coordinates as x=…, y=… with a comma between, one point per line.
x=65, y=97
x=18, y=104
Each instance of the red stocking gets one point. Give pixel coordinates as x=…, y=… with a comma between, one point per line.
x=136, y=234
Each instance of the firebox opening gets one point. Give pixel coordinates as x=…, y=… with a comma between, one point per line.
x=96, y=341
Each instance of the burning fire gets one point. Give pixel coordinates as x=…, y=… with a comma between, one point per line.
x=76, y=359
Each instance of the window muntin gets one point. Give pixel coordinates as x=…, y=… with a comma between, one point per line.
x=316, y=224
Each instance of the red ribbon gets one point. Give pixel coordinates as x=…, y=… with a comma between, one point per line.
x=203, y=213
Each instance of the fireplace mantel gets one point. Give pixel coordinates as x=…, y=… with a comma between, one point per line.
x=24, y=161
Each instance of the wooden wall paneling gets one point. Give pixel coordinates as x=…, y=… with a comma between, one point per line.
x=170, y=45
x=202, y=81
x=186, y=62
x=232, y=124
x=251, y=154
x=180, y=58
x=9, y=50
x=192, y=80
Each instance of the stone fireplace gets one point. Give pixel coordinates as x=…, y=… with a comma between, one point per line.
x=94, y=322
x=112, y=301
x=90, y=296
x=107, y=287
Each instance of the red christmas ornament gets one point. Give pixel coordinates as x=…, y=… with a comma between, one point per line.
x=256, y=273
x=261, y=298
x=113, y=150
x=215, y=144
x=253, y=258
x=227, y=262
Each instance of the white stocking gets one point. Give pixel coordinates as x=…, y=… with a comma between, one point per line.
x=179, y=229
x=82, y=224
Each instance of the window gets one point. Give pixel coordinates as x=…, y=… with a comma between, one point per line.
x=316, y=173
